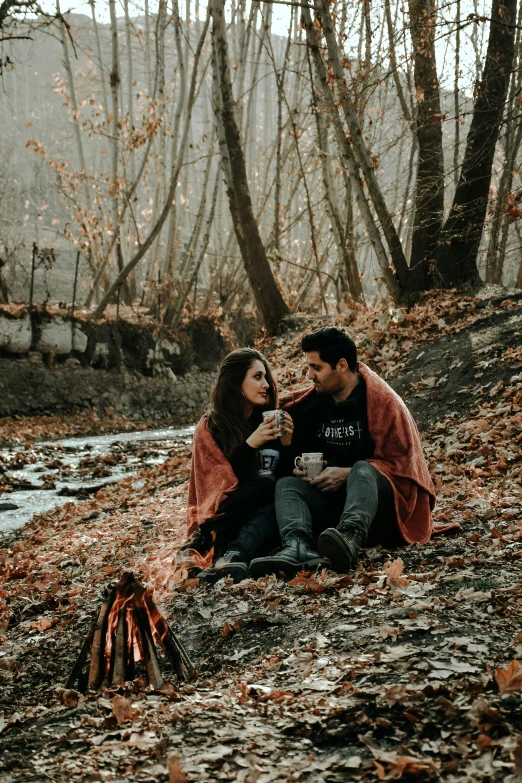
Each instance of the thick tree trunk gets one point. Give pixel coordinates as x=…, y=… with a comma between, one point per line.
x=456, y=256
x=429, y=188
x=267, y=295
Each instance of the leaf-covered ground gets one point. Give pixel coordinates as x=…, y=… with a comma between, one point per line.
x=405, y=668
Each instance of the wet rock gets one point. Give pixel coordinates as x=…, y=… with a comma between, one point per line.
x=8, y=507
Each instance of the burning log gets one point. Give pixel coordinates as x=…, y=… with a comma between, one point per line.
x=127, y=630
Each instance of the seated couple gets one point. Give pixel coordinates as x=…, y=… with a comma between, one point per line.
x=246, y=497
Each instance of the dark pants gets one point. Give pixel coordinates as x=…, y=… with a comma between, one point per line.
x=366, y=506
x=246, y=522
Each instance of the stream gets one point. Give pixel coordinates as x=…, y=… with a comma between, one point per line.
x=36, y=479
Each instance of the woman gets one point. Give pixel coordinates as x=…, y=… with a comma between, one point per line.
x=234, y=460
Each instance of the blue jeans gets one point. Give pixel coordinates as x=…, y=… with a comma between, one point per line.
x=365, y=507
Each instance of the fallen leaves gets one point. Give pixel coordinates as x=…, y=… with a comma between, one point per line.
x=319, y=582
x=122, y=709
x=42, y=625
x=230, y=628
x=394, y=572
x=176, y=773
x=67, y=696
x=403, y=765
x=509, y=680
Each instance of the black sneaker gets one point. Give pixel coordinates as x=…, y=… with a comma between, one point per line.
x=340, y=547
x=231, y=564
x=295, y=555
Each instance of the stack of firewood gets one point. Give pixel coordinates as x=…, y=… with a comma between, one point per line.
x=124, y=639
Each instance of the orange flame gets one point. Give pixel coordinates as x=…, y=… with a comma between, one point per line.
x=129, y=597
x=121, y=601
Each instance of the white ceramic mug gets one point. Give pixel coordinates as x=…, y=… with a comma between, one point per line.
x=312, y=463
x=279, y=419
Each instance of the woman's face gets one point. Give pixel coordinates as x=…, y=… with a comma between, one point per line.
x=255, y=386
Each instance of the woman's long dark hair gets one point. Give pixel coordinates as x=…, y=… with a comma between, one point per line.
x=226, y=418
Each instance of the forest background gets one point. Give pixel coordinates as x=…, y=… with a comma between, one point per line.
x=260, y=157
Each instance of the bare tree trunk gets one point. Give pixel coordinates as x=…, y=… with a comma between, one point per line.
x=252, y=124
x=456, y=97
x=147, y=48
x=394, y=67
x=160, y=179
x=78, y=136
x=170, y=252
x=266, y=291
x=132, y=158
x=130, y=91
x=295, y=136
x=460, y=238
x=191, y=245
x=361, y=151
x=345, y=250
x=513, y=137
x=114, y=143
x=100, y=62
x=429, y=188
x=518, y=280
x=348, y=157
x=474, y=41
x=279, y=138
x=173, y=314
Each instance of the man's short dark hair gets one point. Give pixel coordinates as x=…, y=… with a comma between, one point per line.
x=332, y=343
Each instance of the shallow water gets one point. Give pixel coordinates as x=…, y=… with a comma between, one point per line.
x=77, y=463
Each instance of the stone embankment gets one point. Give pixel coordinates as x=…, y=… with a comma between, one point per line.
x=53, y=363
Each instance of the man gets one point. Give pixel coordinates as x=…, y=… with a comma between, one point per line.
x=375, y=487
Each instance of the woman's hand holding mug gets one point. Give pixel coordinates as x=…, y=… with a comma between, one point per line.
x=269, y=429
x=275, y=424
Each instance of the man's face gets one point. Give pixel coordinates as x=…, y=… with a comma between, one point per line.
x=324, y=378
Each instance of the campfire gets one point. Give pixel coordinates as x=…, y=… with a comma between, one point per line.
x=123, y=640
